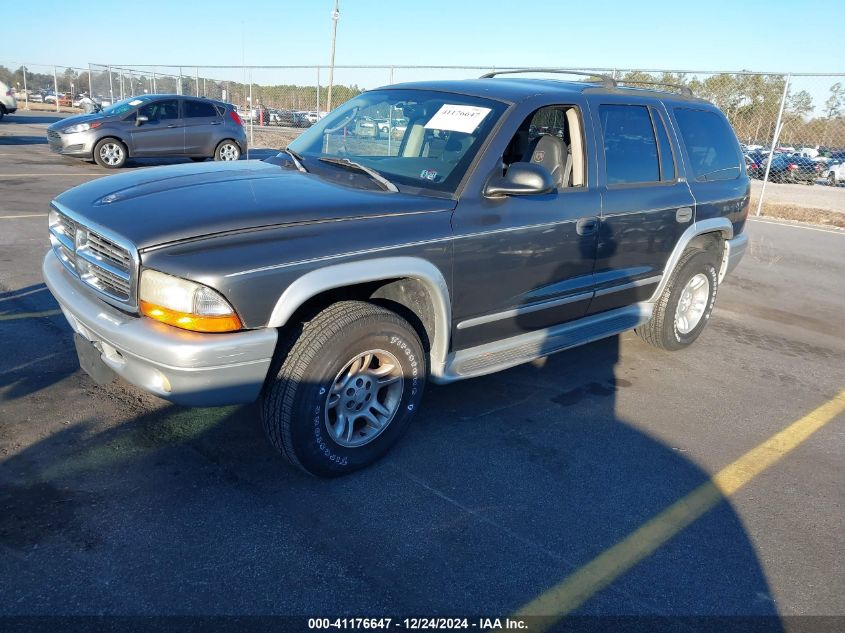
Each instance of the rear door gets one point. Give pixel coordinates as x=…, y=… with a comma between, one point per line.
x=163, y=133
x=202, y=124
x=646, y=205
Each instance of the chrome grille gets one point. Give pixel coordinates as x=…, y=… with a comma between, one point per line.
x=104, y=263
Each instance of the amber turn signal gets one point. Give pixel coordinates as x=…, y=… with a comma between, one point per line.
x=193, y=322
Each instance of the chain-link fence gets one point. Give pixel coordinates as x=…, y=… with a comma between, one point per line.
x=792, y=126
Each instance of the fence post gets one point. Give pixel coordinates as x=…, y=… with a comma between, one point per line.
x=390, y=82
x=155, y=89
x=774, y=143
x=197, y=77
x=56, y=87
x=179, y=87
x=251, y=111
x=25, y=91
x=318, y=92
x=90, y=83
x=111, y=86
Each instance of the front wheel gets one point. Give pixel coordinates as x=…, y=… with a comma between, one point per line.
x=227, y=150
x=684, y=308
x=344, y=388
x=110, y=153
x=832, y=179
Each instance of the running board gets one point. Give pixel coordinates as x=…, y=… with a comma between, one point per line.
x=523, y=348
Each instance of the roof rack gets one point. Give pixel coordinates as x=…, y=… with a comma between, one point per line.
x=606, y=80
x=685, y=90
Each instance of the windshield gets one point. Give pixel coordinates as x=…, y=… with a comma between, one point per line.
x=121, y=107
x=417, y=138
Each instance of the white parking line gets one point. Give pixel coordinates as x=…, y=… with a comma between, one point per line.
x=15, y=217
x=833, y=229
x=37, y=175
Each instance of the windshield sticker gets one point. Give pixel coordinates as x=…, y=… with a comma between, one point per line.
x=136, y=102
x=428, y=174
x=457, y=118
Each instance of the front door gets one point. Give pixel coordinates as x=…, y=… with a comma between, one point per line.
x=645, y=204
x=524, y=263
x=163, y=132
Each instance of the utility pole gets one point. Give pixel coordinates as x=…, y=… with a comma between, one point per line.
x=335, y=18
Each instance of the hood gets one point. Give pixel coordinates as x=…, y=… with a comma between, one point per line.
x=73, y=120
x=160, y=205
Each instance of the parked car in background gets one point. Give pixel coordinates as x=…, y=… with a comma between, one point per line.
x=367, y=127
x=754, y=163
x=835, y=173
x=785, y=168
x=284, y=118
x=8, y=102
x=152, y=125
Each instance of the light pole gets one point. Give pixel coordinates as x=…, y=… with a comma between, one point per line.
x=335, y=18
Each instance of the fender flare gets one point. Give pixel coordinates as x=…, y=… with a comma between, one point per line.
x=710, y=225
x=382, y=268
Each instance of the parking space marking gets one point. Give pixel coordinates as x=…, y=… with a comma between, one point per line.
x=563, y=598
x=38, y=175
x=15, y=217
x=820, y=229
x=28, y=315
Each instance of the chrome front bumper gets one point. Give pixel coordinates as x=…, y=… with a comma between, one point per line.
x=184, y=367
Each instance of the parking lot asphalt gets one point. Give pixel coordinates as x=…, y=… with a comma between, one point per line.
x=114, y=502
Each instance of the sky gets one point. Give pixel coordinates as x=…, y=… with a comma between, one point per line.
x=705, y=34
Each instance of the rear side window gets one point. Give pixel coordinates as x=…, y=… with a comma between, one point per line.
x=711, y=144
x=630, y=149
x=195, y=109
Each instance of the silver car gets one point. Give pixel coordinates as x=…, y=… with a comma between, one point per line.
x=152, y=125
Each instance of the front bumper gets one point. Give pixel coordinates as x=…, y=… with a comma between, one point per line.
x=734, y=250
x=80, y=144
x=184, y=367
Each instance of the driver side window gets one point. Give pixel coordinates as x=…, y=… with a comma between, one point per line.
x=551, y=137
x=160, y=110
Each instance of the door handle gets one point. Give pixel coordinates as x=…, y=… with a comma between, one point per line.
x=172, y=125
x=216, y=123
x=586, y=226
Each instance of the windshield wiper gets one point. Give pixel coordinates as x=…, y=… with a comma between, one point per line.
x=351, y=164
x=297, y=159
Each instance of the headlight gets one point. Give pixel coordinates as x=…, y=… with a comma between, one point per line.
x=185, y=304
x=81, y=127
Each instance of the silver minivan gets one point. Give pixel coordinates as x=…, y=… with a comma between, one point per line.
x=152, y=125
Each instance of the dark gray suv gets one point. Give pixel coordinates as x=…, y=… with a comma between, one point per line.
x=152, y=125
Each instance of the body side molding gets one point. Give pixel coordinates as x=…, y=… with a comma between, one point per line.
x=382, y=268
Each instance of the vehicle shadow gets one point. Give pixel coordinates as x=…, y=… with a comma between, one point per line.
x=503, y=486
x=13, y=139
x=31, y=120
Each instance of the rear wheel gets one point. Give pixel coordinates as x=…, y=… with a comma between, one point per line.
x=684, y=308
x=110, y=153
x=831, y=178
x=344, y=388
x=227, y=150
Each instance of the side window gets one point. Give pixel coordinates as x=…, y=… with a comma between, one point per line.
x=197, y=109
x=551, y=137
x=664, y=147
x=630, y=149
x=160, y=110
x=711, y=144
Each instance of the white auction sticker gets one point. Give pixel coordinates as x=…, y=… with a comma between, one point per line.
x=457, y=118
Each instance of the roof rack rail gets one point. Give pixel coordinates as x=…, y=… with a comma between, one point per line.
x=685, y=90
x=606, y=80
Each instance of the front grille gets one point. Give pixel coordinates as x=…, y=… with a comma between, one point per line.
x=104, y=263
x=51, y=134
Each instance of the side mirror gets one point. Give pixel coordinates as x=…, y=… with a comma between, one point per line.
x=140, y=119
x=521, y=179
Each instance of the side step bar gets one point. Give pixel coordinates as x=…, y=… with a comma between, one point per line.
x=523, y=348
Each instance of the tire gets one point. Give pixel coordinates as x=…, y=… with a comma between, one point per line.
x=198, y=159
x=831, y=178
x=2, y=112
x=110, y=153
x=227, y=150
x=665, y=329
x=309, y=374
